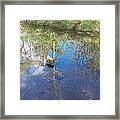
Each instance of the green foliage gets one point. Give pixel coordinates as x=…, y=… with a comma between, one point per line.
x=44, y=33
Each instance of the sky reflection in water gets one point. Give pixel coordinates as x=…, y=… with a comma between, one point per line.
x=70, y=79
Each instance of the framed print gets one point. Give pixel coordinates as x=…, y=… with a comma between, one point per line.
x=59, y=59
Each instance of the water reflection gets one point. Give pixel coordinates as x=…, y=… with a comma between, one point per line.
x=74, y=75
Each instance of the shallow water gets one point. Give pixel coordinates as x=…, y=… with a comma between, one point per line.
x=71, y=78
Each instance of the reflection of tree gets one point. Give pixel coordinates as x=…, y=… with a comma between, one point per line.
x=55, y=85
x=87, y=53
x=47, y=36
x=44, y=34
x=51, y=36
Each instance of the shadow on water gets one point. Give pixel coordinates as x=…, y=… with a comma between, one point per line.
x=72, y=77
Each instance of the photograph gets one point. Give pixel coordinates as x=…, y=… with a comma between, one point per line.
x=59, y=59
x=58, y=55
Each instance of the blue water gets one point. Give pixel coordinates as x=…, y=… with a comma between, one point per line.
x=70, y=79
